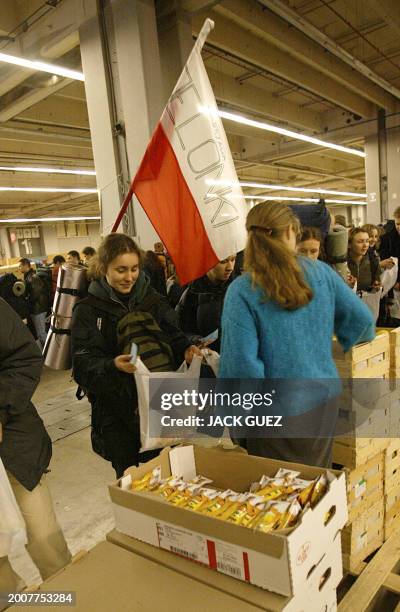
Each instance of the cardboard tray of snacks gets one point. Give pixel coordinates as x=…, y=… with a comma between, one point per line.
x=320, y=597
x=280, y=561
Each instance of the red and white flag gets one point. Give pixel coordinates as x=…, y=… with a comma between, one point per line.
x=187, y=182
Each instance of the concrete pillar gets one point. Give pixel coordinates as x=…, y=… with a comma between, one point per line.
x=106, y=160
x=393, y=164
x=175, y=40
x=372, y=175
x=123, y=84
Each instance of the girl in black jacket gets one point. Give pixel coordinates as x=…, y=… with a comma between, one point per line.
x=99, y=366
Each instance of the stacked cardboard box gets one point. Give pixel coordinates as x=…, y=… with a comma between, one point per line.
x=366, y=420
x=293, y=564
x=394, y=341
x=392, y=488
x=367, y=360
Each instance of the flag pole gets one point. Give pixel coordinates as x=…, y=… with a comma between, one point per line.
x=208, y=25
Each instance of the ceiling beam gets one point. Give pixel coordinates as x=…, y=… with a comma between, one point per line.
x=57, y=110
x=389, y=11
x=349, y=70
x=254, y=99
x=18, y=106
x=235, y=40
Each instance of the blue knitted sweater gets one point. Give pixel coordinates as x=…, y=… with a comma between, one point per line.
x=262, y=340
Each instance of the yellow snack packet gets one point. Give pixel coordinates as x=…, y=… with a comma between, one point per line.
x=196, y=501
x=270, y=492
x=183, y=492
x=304, y=495
x=319, y=490
x=290, y=517
x=269, y=519
x=168, y=487
x=288, y=476
x=247, y=508
x=218, y=504
x=148, y=480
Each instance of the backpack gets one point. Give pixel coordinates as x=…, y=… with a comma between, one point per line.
x=45, y=275
x=18, y=303
x=141, y=328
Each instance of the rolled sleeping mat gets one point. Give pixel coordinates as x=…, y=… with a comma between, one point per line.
x=71, y=287
x=19, y=288
x=57, y=350
x=336, y=249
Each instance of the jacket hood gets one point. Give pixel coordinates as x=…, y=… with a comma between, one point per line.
x=204, y=285
x=102, y=290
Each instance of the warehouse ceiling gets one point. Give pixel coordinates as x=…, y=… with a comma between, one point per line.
x=320, y=67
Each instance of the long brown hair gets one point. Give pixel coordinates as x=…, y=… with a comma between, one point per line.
x=111, y=246
x=271, y=264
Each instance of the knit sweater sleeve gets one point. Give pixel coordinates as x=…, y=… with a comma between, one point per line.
x=354, y=322
x=240, y=342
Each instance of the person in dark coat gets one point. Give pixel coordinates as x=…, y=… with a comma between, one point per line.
x=25, y=449
x=363, y=269
x=17, y=302
x=200, y=307
x=155, y=272
x=99, y=366
x=38, y=298
x=390, y=243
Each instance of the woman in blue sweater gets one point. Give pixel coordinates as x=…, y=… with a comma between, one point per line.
x=279, y=318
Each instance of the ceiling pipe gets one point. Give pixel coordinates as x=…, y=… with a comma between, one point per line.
x=318, y=36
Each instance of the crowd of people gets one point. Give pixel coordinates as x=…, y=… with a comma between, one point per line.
x=270, y=312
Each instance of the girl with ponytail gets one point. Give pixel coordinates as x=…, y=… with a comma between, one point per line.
x=279, y=318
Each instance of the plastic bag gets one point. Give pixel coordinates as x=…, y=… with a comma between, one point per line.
x=12, y=524
x=389, y=277
x=372, y=300
x=142, y=378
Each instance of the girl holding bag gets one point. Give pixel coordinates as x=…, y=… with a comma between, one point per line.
x=121, y=307
x=278, y=322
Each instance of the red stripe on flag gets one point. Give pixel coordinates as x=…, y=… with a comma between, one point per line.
x=165, y=196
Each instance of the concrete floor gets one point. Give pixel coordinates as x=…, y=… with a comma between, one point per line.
x=78, y=478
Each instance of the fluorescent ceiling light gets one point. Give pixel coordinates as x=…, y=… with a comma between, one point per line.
x=289, y=199
x=278, y=130
x=49, y=189
x=42, y=66
x=48, y=170
x=49, y=219
x=352, y=194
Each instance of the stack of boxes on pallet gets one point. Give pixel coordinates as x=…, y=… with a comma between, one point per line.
x=369, y=449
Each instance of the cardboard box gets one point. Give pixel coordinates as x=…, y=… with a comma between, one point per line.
x=280, y=561
x=364, y=486
x=111, y=579
x=320, y=598
x=363, y=536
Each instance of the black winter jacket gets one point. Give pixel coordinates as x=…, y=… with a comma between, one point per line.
x=26, y=446
x=37, y=294
x=94, y=347
x=390, y=247
x=200, y=308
